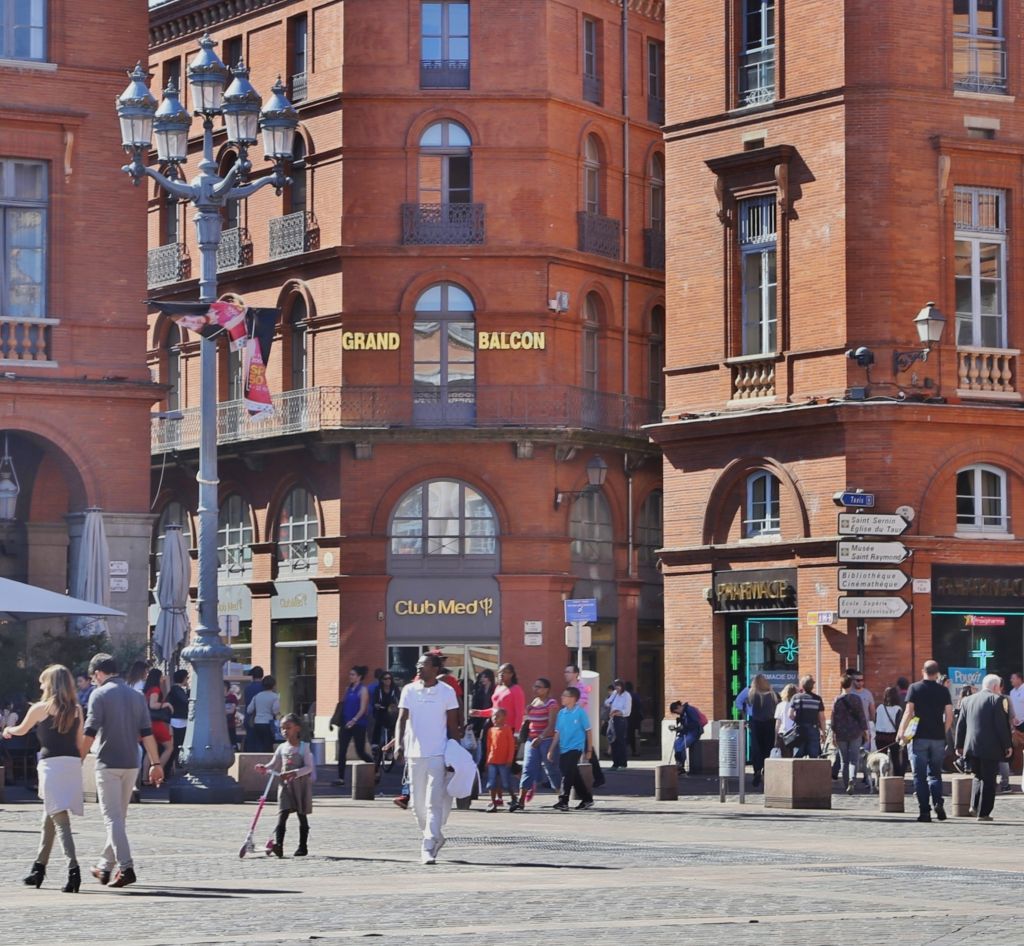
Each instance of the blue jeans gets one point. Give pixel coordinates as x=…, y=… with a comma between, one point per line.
x=619, y=755
x=536, y=767
x=499, y=777
x=808, y=743
x=928, y=756
x=682, y=744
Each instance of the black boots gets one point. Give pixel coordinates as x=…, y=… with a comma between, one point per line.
x=301, y=851
x=74, y=880
x=35, y=876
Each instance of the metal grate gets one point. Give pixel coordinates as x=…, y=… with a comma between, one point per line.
x=443, y=224
x=293, y=234
x=235, y=249
x=598, y=234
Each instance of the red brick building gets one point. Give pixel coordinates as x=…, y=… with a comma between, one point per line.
x=469, y=268
x=75, y=395
x=832, y=169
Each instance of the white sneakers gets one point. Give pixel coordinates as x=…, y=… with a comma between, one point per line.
x=428, y=855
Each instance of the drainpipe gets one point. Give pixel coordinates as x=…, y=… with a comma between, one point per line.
x=630, y=570
x=625, y=196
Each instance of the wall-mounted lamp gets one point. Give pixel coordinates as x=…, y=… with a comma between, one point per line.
x=597, y=473
x=930, y=323
x=9, y=487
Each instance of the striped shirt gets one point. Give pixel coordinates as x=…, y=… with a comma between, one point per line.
x=537, y=715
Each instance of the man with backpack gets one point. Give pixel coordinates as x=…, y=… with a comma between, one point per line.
x=850, y=731
x=689, y=728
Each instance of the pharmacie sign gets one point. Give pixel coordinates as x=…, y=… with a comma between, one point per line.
x=977, y=586
x=770, y=589
x=461, y=608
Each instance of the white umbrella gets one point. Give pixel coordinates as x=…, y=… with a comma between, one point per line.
x=91, y=580
x=21, y=602
x=172, y=596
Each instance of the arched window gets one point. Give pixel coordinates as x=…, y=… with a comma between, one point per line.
x=297, y=193
x=590, y=528
x=656, y=357
x=593, y=318
x=981, y=499
x=445, y=520
x=649, y=530
x=592, y=175
x=297, y=532
x=234, y=536
x=656, y=193
x=298, y=342
x=172, y=345
x=174, y=514
x=445, y=172
x=444, y=355
x=762, y=506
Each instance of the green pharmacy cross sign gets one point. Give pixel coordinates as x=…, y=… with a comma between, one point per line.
x=789, y=650
x=981, y=653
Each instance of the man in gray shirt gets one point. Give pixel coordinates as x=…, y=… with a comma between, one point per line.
x=118, y=718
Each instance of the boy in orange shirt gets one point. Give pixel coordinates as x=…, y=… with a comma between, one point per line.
x=501, y=752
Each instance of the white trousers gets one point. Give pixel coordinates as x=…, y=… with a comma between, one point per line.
x=114, y=788
x=430, y=802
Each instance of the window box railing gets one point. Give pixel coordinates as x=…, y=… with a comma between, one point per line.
x=593, y=90
x=987, y=373
x=444, y=73
x=654, y=249
x=656, y=110
x=598, y=234
x=753, y=376
x=235, y=249
x=299, y=88
x=442, y=224
x=293, y=234
x=168, y=264
x=26, y=340
x=979, y=65
x=757, y=79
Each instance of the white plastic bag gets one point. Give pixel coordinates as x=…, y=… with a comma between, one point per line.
x=776, y=753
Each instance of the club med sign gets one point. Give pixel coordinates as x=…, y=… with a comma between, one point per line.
x=456, y=608
x=484, y=606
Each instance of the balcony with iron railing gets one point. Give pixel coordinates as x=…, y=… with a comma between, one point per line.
x=593, y=90
x=444, y=73
x=442, y=224
x=654, y=248
x=987, y=373
x=293, y=234
x=757, y=78
x=168, y=264
x=386, y=408
x=598, y=234
x=235, y=249
x=656, y=110
x=979, y=65
x=26, y=341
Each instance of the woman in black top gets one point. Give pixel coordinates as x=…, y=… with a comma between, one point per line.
x=384, y=707
x=763, y=700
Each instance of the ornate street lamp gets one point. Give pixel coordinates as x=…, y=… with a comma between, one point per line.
x=9, y=487
x=206, y=753
x=597, y=473
x=929, y=323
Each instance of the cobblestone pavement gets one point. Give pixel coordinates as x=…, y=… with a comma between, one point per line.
x=688, y=872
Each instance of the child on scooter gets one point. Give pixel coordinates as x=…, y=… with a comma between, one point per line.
x=294, y=761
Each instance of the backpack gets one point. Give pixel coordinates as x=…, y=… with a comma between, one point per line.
x=701, y=718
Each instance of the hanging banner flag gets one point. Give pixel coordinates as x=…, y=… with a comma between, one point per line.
x=257, y=354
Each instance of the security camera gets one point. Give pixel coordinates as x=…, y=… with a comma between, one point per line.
x=863, y=356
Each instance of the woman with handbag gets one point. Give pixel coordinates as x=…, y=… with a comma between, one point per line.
x=887, y=723
x=160, y=715
x=763, y=701
x=785, y=728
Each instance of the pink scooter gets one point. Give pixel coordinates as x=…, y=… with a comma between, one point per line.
x=249, y=846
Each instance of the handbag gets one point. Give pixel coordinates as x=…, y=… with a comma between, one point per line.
x=790, y=737
x=162, y=715
x=610, y=732
x=911, y=730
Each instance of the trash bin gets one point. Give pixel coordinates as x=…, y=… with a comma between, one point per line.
x=319, y=749
x=728, y=756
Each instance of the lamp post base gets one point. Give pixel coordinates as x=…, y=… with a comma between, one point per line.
x=209, y=790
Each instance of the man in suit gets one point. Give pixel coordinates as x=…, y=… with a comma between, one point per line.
x=983, y=736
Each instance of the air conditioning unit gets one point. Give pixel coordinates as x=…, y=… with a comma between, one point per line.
x=560, y=303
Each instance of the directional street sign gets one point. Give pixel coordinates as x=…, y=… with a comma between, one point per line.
x=872, y=553
x=580, y=609
x=872, y=607
x=855, y=500
x=872, y=579
x=871, y=523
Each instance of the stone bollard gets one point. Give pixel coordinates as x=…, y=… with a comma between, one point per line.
x=797, y=783
x=666, y=783
x=961, y=795
x=243, y=771
x=364, y=780
x=892, y=790
x=588, y=778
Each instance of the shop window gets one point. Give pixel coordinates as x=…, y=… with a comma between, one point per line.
x=762, y=505
x=444, y=356
x=757, y=53
x=174, y=514
x=590, y=528
x=24, y=201
x=649, y=530
x=981, y=500
x=23, y=29
x=979, y=46
x=757, y=239
x=979, y=216
x=234, y=537
x=297, y=532
x=444, y=520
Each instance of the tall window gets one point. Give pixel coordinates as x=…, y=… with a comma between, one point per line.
x=173, y=347
x=590, y=528
x=299, y=57
x=444, y=45
x=655, y=82
x=979, y=46
x=757, y=264
x=445, y=164
x=174, y=514
x=297, y=193
x=656, y=357
x=170, y=220
x=980, y=238
x=656, y=193
x=762, y=508
x=172, y=73
x=593, y=310
x=299, y=344
x=297, y=532
x=592, y=91
x=23, y=29
x=981, y=499
x=23, y=207
x=757, y=53
x=231, y=51
x=592, y=175
x=444, y=354
x=444, y=518
x=234, y=535
x=649, y=529
x=229, y=214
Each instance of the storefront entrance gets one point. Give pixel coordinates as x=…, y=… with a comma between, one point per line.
x=463, y=660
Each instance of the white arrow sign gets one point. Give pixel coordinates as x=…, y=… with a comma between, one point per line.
x=872, y=579
x=872, y=607
x=873, y=553
x=870, y=523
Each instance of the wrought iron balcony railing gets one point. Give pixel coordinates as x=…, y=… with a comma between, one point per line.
x=26, y=340
x=757, y=78
x=299, y=89
x=654, y=249
x=656, y=110
x=168, y=264
x=293, y=234
x=442, y=224
x=593, y=90
x=598, y=234
x=444, y=73
x=235, y=249
x=374, y=408
x=979, y=65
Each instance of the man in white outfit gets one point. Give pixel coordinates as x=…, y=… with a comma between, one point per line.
x=428, y=715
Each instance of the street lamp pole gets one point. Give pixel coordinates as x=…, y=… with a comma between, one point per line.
x=206, y=753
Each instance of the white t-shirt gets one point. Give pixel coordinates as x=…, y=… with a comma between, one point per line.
x=426, y=733
x=1017, y=702
x=782, y=715
x=886, y=718
x=622, y=702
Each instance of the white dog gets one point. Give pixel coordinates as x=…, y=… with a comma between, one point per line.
x=879, y=765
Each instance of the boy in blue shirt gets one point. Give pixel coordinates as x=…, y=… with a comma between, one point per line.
x=572, y=743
